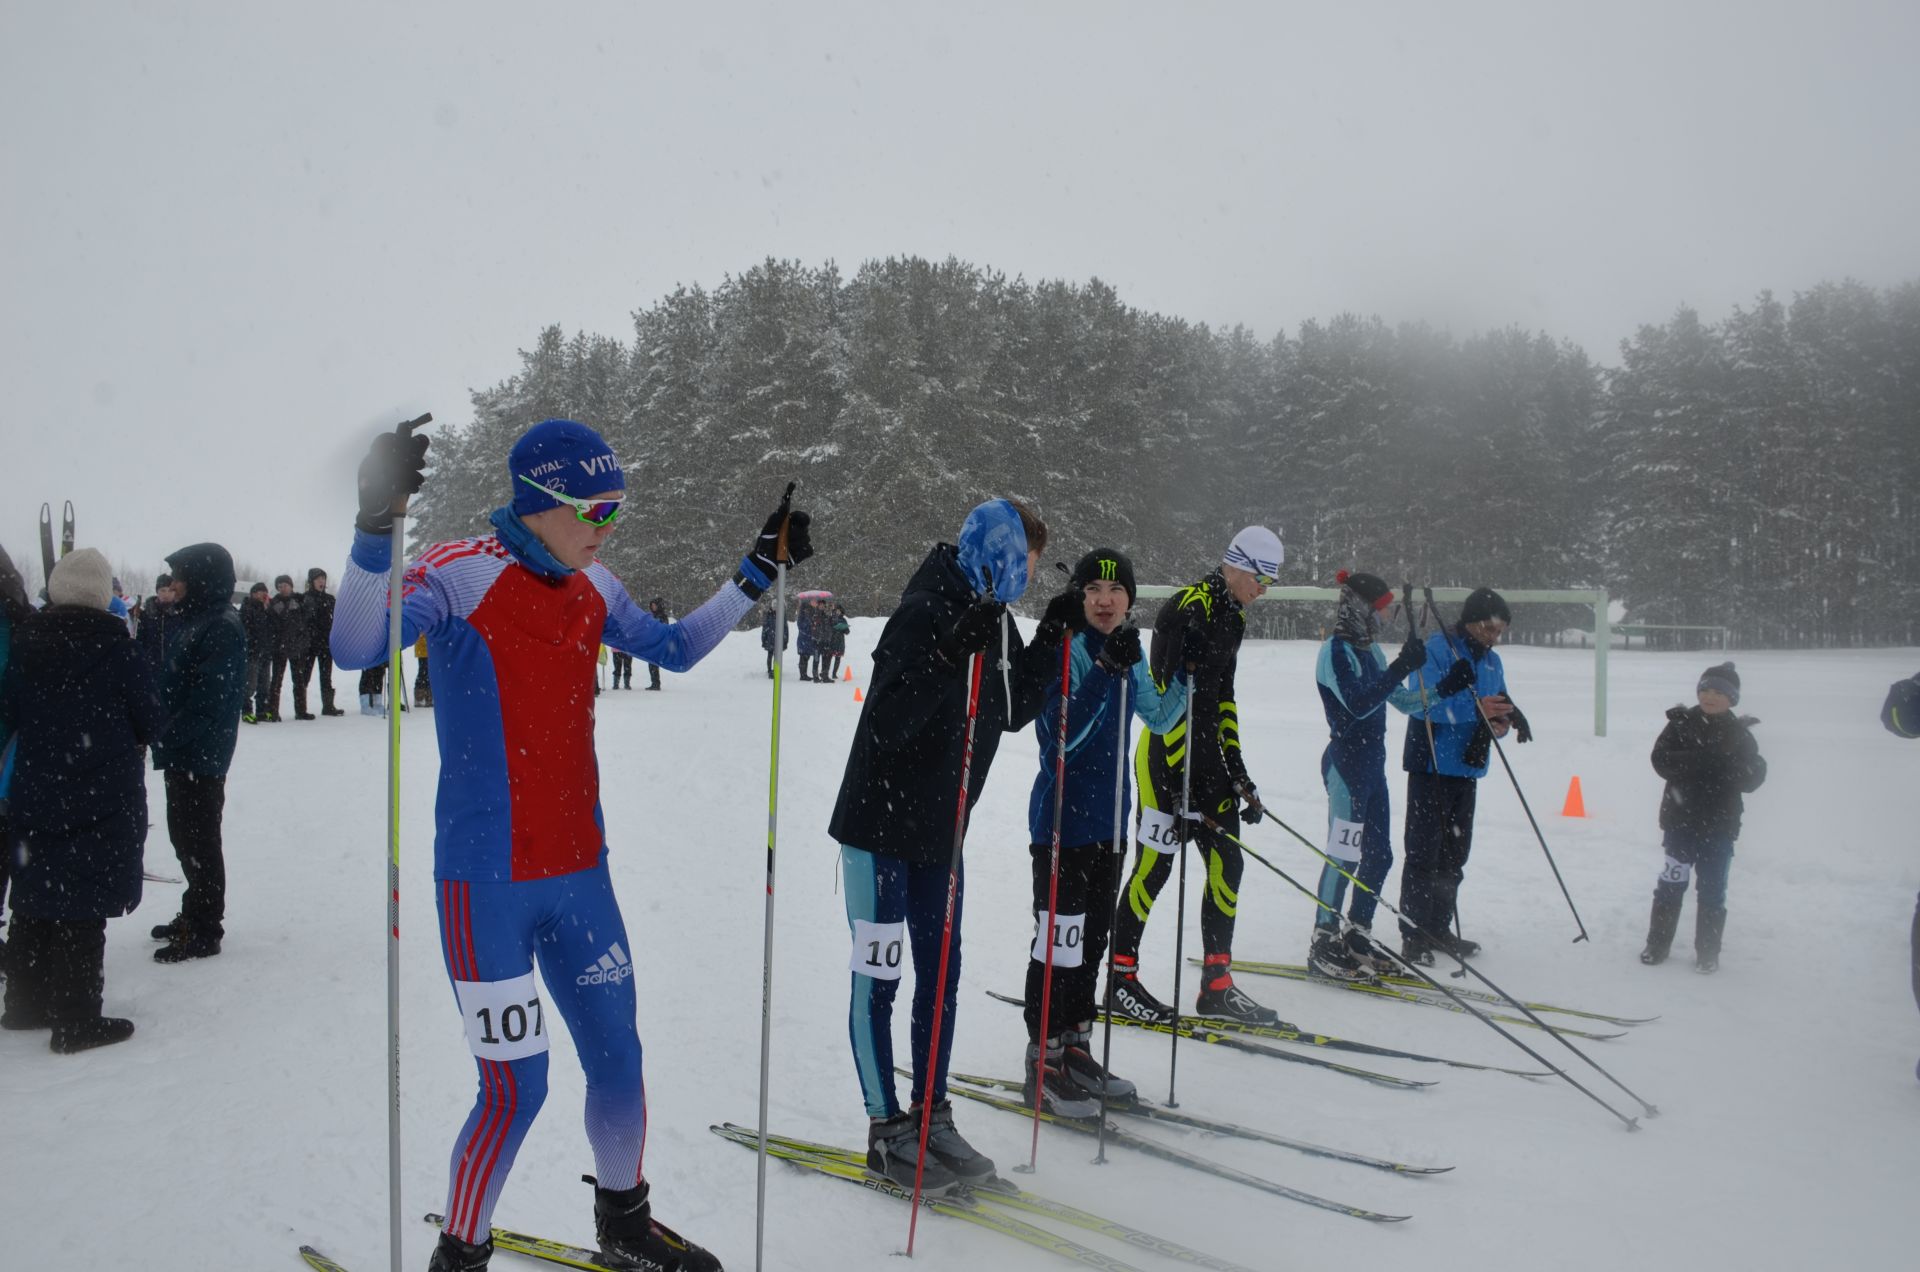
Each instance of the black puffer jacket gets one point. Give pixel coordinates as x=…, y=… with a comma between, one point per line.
x=259, y=628
x=205, y=680
x=82, y=698
x=1709, y=763
x=316, y=608
x=291, y=636
x=902, y=782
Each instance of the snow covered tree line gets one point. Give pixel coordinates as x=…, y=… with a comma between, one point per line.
x=1753, y=473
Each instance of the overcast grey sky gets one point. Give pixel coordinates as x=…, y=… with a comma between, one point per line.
x=240, y=236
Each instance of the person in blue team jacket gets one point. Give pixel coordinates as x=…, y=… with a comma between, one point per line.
x=1449, y=741
x=1105, y=655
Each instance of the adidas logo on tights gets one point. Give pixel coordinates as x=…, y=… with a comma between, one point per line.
x=612, y=968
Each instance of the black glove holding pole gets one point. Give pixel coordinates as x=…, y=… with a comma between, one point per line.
x=1458, y=677
x=1121, y=650
x=783, y=540
x=974, y=632
x=393, y=471
x=1413, y=652
x=1065, y=613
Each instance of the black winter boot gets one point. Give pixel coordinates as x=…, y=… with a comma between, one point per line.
x=1661, y=927
x=1707, y=928
x=630, y=1237
x=455, y=1255
x=85, y=1035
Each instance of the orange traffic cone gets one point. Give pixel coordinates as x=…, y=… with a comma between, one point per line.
x=858, y=696
x=846, y=673
x=1575, y=805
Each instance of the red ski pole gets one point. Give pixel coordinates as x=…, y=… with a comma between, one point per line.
x=946, y=946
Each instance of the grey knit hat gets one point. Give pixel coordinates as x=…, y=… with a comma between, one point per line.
x=82, y=577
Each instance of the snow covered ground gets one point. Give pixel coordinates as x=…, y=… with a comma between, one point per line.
x=248, y=1115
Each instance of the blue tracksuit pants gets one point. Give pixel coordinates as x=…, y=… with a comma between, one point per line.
x=1358, y=836
x=893, y=904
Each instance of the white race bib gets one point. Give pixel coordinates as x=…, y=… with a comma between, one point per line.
x=1157, y=830
x=1069, y=938
x=504, y=1018
x=1676, y=872
x=878, y=949
x=1343, y=841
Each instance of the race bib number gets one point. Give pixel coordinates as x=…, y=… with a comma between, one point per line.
x=1069, y=938
x=1158, y=830
x=1676, y=872
x=878, y=949
x=504, y=1018
x=1343, y=841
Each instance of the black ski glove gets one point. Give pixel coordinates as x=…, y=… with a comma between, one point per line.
x=974, y=632
x=765, y=555
x=1065, y=613
x=1411, y=655
x=1121, y=650
x=395, y=468
x=1522, y=731
x=1250, y=796
x=1458, y=677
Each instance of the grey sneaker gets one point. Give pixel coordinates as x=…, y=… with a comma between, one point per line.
x=893, y=1148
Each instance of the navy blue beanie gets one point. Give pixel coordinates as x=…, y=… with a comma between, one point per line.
x=1723, y=679
x=561, y=455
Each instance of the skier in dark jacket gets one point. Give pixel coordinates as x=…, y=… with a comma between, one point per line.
x=898, y=804
x=1710, y=759
x=316, y=607
x=82, y=698
x=1105, y=657
x=203, y=688
x=258, y=624
x=1900, y=713
x=1196, y=638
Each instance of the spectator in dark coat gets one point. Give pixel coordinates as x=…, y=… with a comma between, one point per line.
x=316, y=605
x=153, y=628
x=658, y=608
x=1710, y=759
x=82, y=698
x=256, y=705
x=14, y=610
x=292, y=645
x=766, y=634
x=836, y=642
x=202, y=689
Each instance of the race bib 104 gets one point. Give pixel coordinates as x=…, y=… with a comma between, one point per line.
x=1159, y=830
x=1069, y=938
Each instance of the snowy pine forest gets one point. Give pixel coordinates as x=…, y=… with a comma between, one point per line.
x=1752, y=472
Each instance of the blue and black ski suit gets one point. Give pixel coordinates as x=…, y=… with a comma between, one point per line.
x=1356, y=682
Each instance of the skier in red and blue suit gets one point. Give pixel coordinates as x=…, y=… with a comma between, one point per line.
x=513, y=623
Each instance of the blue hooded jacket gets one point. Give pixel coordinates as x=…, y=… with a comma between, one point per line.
x=1455, y=719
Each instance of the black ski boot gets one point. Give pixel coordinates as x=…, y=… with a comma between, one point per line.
x=1085, y=1068
x=1415, y=949
x=1369, y=953
x=1331, y=958
x=187, y=944
x=1127, y=996
x=1707, y=929
x=1661, y=927
x=946, y=1145
x=166, y=931
x=893, y=1146
x=630, y=1237
x=1232, y=1003
x=455, y=1255
x=85, y=1035
x=1060, y=1093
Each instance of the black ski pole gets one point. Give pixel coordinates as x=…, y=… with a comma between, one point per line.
x=1113, y=901
x=1482, y=977
x=1631, y=1123
x=1180, y=915
x=1500, y=751
x=1426, y=707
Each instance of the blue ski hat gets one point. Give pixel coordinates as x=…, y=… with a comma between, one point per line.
x=994, y=542
x=562, y=455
